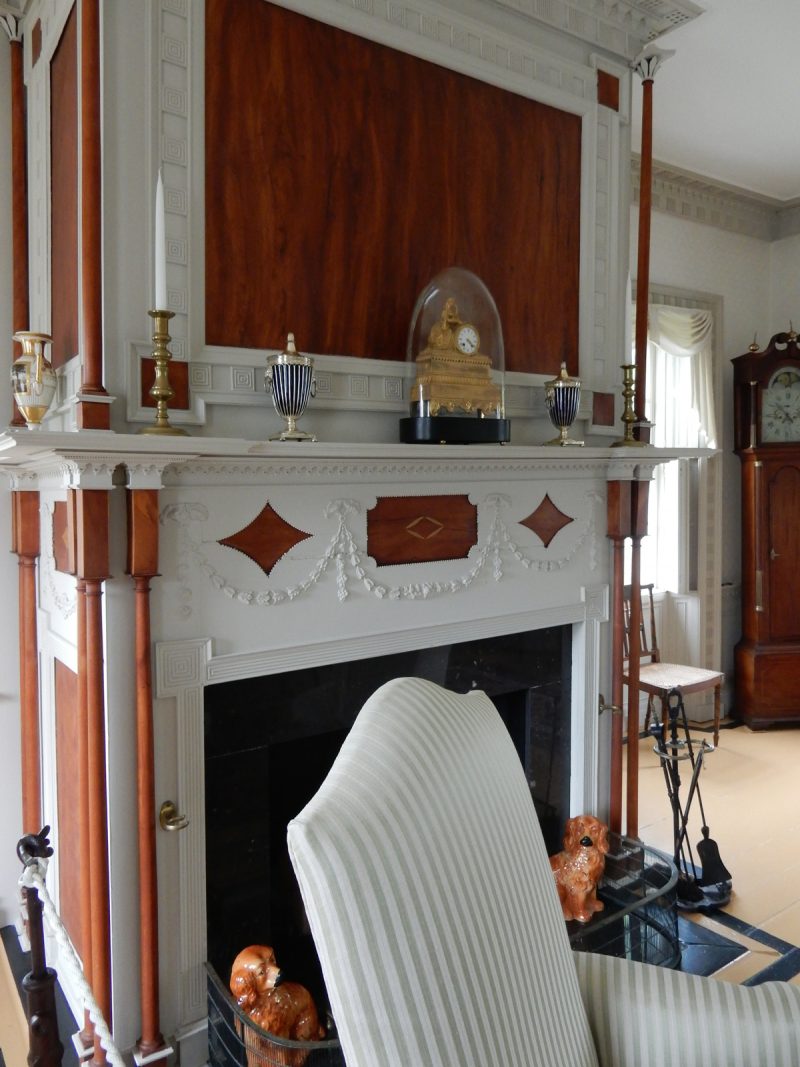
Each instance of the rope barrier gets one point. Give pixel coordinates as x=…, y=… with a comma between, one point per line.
x=32, y=877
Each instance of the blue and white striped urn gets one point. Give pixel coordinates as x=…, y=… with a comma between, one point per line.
x=290, y=379
x=562, y=397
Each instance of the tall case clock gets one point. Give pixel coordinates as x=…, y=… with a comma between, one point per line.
x=767, y=441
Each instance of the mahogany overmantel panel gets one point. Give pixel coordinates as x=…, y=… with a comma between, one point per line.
x=342, y=175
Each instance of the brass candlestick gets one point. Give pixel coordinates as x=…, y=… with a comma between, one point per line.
x=161, y=391
x=629, y=412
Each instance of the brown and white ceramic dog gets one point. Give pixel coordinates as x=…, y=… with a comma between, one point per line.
x=285, y=1009
x=580, y=867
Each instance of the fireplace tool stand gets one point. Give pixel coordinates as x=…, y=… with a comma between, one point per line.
x=706, y=886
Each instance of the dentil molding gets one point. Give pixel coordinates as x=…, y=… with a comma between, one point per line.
x=697, y=199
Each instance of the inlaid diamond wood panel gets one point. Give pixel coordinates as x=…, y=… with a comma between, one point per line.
x=266, y=538
x=546, y=520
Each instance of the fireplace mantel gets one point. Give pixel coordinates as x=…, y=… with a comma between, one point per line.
x=530, y=552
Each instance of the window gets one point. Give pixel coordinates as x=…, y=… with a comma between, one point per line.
x=680, y=403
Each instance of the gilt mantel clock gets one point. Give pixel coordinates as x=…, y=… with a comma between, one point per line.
x=767, y=441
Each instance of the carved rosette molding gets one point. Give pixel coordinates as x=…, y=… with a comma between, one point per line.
x=148, y=472
x=553, y=463
x=349, y=563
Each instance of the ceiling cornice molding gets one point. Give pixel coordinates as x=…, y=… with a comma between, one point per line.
x=697, y=199
x=623, y=27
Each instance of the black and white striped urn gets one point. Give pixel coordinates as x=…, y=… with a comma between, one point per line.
x=562, y=397
x=290, y=379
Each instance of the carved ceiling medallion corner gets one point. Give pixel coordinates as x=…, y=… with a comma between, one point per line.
x=266, y=539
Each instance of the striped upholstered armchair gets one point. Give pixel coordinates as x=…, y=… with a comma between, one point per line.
x=433, y=909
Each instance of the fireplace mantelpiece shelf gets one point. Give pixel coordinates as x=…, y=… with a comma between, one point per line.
x=67, y=457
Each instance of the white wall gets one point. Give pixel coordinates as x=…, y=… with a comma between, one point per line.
x=10, y=802
x=700, y=258
x=784, y=286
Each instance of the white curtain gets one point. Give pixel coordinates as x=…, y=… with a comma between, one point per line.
x=680, y=360
x=680, y=403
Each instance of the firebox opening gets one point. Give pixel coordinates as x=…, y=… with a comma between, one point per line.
x=270, y=741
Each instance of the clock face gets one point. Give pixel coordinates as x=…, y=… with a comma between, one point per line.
x=780, y=407
x=467, y=340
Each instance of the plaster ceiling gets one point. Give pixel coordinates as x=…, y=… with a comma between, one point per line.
x=725, y=106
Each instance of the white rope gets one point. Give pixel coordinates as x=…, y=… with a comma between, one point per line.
x=32, y=877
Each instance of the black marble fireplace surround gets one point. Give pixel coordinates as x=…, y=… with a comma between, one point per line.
x=270, y=741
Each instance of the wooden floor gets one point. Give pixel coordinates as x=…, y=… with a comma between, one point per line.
x=13, y=1027
x=750, y=787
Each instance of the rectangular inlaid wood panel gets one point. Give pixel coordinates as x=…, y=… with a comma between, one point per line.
x=603, y=409
x=64, y=193
x=421, y=529
x=342, y=175
x=70, y=866
x=608, y=90
x=63, y=538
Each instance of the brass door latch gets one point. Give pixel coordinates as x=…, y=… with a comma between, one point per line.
x=169, y=819
x=615, y=709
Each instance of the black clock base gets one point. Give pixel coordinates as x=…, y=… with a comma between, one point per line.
x=454, y=430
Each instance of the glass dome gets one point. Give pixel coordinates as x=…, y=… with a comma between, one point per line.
x=455, y=341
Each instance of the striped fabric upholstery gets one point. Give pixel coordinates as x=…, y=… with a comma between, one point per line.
x=662, y=1018
x=433, y=909
x=430, y=897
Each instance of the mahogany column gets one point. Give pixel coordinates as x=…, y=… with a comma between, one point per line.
x=645, y=66
x=25, y=542
x=619, y=527
x=91, y=415
x=91, y=506
x=20, y=312
x=142, y=566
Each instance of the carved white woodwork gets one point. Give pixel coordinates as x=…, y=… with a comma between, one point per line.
x=56, y=590
x=217, y=617
x=495, y=552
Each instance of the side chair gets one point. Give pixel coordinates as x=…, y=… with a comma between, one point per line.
x=435, y=915
x=656, y=678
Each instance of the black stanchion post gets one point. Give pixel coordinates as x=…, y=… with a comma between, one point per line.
x=44, y=1046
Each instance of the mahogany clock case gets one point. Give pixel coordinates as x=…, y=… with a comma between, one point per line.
x=767, y=440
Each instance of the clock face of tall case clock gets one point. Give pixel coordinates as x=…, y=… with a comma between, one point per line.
x=767, y=436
